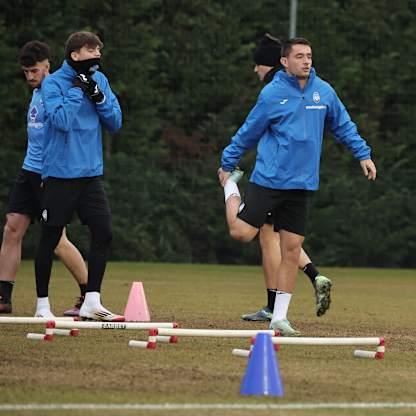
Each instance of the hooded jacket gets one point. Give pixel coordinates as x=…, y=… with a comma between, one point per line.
x=73, y=138
x=35, y=133
x=287, y=124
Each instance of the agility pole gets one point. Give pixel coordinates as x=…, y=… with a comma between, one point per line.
x=32, y=320
x=225, y=333
x=327, y=341
x=112, y=325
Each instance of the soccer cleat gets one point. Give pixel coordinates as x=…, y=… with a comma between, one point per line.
x=284, y=327
x=264, y=314
x=236, y=175
x=75, y=310
x=322, y=294
x=99, y=313
x=5, y=307
x=44, y=313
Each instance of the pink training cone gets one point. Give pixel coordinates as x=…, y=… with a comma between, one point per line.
x=136, y=308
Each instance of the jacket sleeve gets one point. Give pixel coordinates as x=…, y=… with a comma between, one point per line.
x=247, y=135
x=61, y=109
x=109, y=109
x=345, y=130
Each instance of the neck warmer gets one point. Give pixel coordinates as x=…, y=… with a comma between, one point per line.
x=88, y=66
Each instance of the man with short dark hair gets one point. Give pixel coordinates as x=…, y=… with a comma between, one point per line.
x=24, y=200
x=267, y=62
x=287, y=125
x=78, y=102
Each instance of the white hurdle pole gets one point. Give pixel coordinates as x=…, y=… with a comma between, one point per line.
x=241, y=353
x=327, y=341
x=379, y=341
x=74, y=332
x=226, y=333
x=112, y=325
x=39, y=337
x=142, y=344
x=31, y=320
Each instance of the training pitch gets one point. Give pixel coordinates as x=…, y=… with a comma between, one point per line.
x=97, y=373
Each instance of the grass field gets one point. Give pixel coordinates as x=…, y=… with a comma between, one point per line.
x=98, y=366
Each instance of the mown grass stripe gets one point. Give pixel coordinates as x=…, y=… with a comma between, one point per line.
x=200, y=406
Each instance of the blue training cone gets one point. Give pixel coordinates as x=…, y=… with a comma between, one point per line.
x=262, y=376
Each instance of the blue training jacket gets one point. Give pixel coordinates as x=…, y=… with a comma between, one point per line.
x=288, y=125
x=73, y=142
x=35, y=133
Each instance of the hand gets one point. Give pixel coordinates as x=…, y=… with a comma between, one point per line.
x=89, y=86
x=223, y=176
x=95, y=93
x=82, y=81
x=369, y=169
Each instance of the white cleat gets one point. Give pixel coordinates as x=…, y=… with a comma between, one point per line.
x=99, y=313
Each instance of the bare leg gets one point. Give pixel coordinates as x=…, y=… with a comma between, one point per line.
x=271, y=257
x=72, y=259
x=304, y=259
x=10, y=256
x=11, y=248
x=239, y=230
x=291, y=245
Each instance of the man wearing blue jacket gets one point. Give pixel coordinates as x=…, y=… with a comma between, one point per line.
x=78, y=102
x=287, y=125
x=24, y=199
x=267, y=62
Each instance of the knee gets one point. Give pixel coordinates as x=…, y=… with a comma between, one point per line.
x=240, y=235
x=268, y=244
x=104, y=237
x=292, y=253
x=12, y=232
x=61, y=247
x=108, y=236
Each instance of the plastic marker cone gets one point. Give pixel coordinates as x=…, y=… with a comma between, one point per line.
x=136, y=308
x=262, y=376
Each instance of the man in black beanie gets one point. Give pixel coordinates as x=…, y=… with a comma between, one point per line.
x=267, y=59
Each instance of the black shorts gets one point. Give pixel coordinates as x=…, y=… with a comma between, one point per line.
x=63, y=197
x=289, y=208
x=25, y=195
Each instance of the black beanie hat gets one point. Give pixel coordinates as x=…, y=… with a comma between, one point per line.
x=268, y=51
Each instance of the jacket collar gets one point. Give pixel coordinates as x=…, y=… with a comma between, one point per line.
x=293, y=81
x=67, y=69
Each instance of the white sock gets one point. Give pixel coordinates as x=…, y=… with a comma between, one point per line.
x=230, y=189
x=281, y=305
x=92, y=300
x=43, y=304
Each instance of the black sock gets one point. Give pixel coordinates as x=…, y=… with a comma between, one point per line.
x=82, y=288
x=311, y=271
x=6, y=289
x=271, y=296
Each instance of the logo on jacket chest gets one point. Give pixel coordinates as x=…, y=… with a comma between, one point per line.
x=316, y=97
x=33, y=113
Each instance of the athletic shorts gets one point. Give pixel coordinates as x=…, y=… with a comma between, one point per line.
x=25, y=195
x=289, y=208
x=63, y=197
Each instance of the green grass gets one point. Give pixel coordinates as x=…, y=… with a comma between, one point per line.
x=99, y=367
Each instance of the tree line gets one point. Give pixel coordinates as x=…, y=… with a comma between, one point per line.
x=183, y=72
